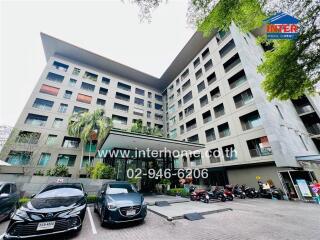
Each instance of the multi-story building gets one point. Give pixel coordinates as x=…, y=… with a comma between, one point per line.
x=210, y=94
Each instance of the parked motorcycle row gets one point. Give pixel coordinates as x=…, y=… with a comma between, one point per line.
x=229, y=192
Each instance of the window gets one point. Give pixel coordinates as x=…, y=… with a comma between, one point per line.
x=55, y=77
x=232, y=62
x=87, y=86
x=57, y=123
x=224, y=130
x=227, y=48
x=243, y=98
x=84, y=98
x=178, y=92
x=140, y=91
x=121, y=107
x=250, y=120
x=186, y=85
x=6, y=189
x=87, y=161
x=105, y=80
x=124, y=86
x=172, y=121
x=70, y=142
x=172, y=109
x=149, y=104
x=150, y=95
x=158, y=97
x=103, y=91
x=122, y=96
x=158, y=107
x=158, y=116
x=221, y=36
x=148, y=114
x=42, y=104
x=67, y=94
x=90, y=76
x=198, y=73
x=193, y=139
x=171, y=98
x=187, y=97
x=201, y=86
x=208, y=65
x=36, y=120
x=229, y=152
x=60, y=66
x=27, y=137
x=182, y=129
x=278, y=109
x=237, y=79
x=192, y=124
x=206, y=116
x=66, y=160
x=63, y=108
x=179, y=103
x=91, y=146
x=196, y=62
x=189, y=110
x=205, y=53
x=215, y=93
x=79, y=109
x=214, y=155
x=139, y=101
x=303, y=143
x=184, y=74
x=138, y=112
x=119, y=120
x=204, y=100
x=72, y=82
x=210, y=135
x=76, y=71
x=211, y=78
x=219, y=110
x=149, y=124
x=49, y=90
x=44, y=159
x=101, y=102
x=180, y=115
x=51, y=140
x=177, y=82
x=173, y=134
x=17, y=158
x=259, y=147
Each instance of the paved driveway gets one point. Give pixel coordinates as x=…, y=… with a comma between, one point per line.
x=258, y=219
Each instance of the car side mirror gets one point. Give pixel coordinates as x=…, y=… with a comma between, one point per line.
x=86, y=194
x=33, y=195
x=102, y=192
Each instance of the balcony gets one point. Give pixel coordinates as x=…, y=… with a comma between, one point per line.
x=260, y=152
x=304, y=109
x=314, y=129
x=189, y=128
x=231, y=63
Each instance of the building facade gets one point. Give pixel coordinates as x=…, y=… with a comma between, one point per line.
x=210, y=94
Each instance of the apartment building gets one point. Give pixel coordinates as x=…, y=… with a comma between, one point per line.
x=209, y=97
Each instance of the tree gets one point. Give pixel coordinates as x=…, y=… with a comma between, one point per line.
x=292, y=68
x=102, y=171
x=138, y=127
x=89, y=126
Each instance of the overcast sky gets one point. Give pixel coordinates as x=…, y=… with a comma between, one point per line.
x=109, y=28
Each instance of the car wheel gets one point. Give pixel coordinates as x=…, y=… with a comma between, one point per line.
x=95, y=210
x=102, y=217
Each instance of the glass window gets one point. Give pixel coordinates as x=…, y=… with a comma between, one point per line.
x=158, y=106
x=224, y=130
x=198, y=73
x=210, y=135
x=208, y=65
x=229, y=152
x=17, y=158
x=205, y=53
x=237, y=79
x=70, y=142
x=186, y=85
x=184, y=74
x=87, y=86
x=103, y=91
x=173, y=134
x=44, y=159
x=55, y=77
x=140, y=91
x=196, y=62
x=72, y=82
x=187, y=97
x=66, y=160
x=67, y=94
x=87, y=161
x=149, y=95
x=259, y=147
x=124, y=86
x=63, y=108
x=211, y=78
x=201, y=86
x=121, y=107
x=49, y=90
x=79, y=109
x=101, y=102
x=122, y=96
x=57, y=123
x=36, y=120
x=219, y=110
x=51, y=140
x=91, y=146
x=119, y=120
x=250, y=120
x=158, y=97
x=42, y=104
x=139, y=101
x=60, y=66
x=232, y=62
x=90, y=76
x=105, y=80
x=76, y=71
x=227, y=48
x=28, y=137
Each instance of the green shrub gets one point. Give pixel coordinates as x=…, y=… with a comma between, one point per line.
x=178, y=192
x=133, y=180
x=102, y=171
x=23, y=201
x=165, y=181
x=38, y=173
x=58, y=171
x=91, y=198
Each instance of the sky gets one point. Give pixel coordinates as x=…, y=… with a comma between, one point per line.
x=110, y=28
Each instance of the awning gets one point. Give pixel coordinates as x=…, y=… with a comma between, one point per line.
x=128, y=140
x=308, y=158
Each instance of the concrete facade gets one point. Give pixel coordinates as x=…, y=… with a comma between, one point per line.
x=280, y=134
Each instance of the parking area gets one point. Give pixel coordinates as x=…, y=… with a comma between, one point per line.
x=248, y=219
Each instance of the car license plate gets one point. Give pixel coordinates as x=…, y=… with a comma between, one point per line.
x=45, y=225
x=131, y=212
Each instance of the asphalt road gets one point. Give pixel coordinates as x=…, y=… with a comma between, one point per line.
x=250, y=219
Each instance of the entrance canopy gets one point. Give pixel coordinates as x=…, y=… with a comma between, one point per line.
x=128, y=140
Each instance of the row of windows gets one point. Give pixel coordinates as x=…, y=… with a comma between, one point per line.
x=93, y=77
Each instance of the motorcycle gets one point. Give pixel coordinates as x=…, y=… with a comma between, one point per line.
x=269, y=192
x=238, y=192
x=196, y=194
x=214, y=194
x=250, y=192
x=228, y=192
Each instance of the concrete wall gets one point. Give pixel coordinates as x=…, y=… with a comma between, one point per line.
x=29, y=185
x=248, y=175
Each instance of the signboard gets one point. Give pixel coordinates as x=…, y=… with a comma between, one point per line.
x=304, y=188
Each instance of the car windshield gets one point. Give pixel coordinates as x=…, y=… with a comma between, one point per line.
x=61, y=191
x=120, y=188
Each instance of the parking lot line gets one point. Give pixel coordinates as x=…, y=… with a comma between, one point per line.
x=93, y=226
x=1, y=236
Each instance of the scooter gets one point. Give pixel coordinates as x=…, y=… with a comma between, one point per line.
x=238, y=192
x=196, y=194
x=214, y=194
x=271, y=192
x=250, y=192
x=228, y=192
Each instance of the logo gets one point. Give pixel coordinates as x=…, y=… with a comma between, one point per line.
x=49, y=215
x=282, y=26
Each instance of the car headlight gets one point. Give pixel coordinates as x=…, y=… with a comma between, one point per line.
x=111, y=206
x=20, y=214
x=77, y=210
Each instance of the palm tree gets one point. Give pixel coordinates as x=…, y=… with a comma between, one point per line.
x=89, y=126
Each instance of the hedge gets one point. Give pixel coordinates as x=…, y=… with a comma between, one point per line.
x=178, y=192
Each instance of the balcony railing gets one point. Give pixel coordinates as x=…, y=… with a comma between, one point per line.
x=207, y=119
x=191, y=127
x=258, y=152
x=304, y=109
x=219, y=113
x=314, y=129
x=232, y=65
x=187, y=113
x=242, y=102
x=238, y=82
